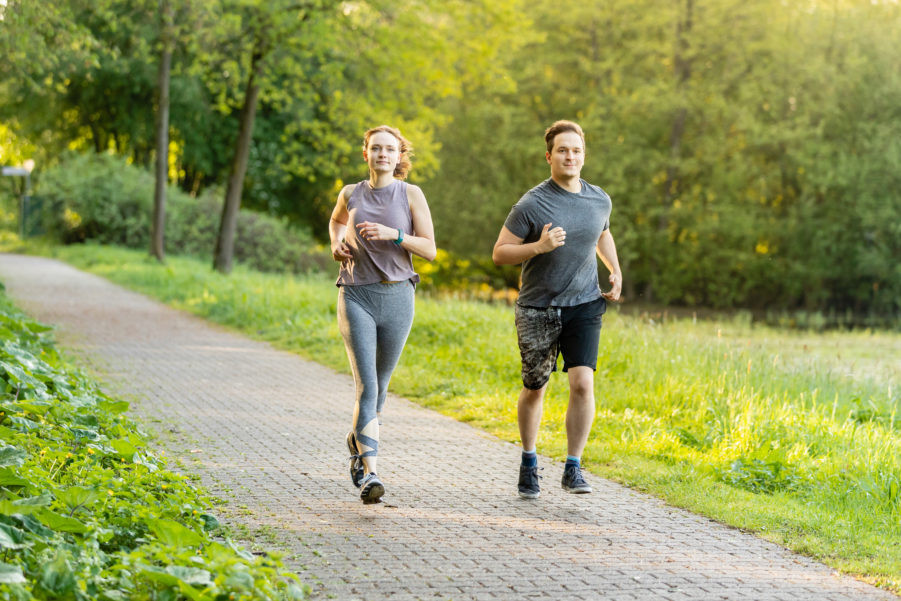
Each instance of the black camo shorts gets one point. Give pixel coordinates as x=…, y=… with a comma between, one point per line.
x=544, y=333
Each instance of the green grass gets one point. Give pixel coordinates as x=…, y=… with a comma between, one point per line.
x=790, y=435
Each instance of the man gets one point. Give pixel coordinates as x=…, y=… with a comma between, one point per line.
x=554, y=231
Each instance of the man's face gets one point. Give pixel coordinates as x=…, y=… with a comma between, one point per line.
x=382, y=152
x=567, y=157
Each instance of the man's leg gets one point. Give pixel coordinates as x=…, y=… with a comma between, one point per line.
x=580, y=412
x=537, y=331
x=529, y=415
x=579, y=346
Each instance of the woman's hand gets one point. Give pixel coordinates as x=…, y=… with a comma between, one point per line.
x=341, y=251
x=376, y=231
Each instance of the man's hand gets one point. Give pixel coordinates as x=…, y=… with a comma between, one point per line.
x=550, y=238
x=616, y=287
x=340, y=251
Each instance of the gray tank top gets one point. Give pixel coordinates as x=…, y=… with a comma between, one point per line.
x=376, y=261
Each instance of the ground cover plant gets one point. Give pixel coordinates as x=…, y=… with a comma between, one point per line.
x=792, y=435
x=86, y=510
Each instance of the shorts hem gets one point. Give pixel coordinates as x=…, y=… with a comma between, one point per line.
x=524, y=385
x=593, y=367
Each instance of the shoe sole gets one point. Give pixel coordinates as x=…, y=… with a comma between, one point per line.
x=372, y=493
x=529, y=495
x=577, y=491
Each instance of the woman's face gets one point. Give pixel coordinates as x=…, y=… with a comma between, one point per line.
x=382, y=152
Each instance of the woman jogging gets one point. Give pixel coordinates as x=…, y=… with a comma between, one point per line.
x=375, y=228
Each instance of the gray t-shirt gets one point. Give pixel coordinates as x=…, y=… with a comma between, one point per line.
x=568, y=275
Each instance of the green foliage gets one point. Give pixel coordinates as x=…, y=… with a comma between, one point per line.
x=742, y=174
x=87, y=511
x=758, y=172
x=794, y=435
x=101, y=198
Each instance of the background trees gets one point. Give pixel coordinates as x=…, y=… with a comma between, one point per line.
x=752, y=150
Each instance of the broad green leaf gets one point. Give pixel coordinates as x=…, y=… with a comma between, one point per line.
x=240, y=579
x=11, y=574
x=210, y=522
x=9, y=477
x=35, y=527
x=25, y=506
x=192, y=576
x=57, y=577
x=123, y=447
x=158, y=575
x=10, y=456
x=12, y=538
x=36, y=408
x=8, y=434
x=173, y=534
x=77, y=496
x=114, y=406
x=61, y=523
x=81, y=433
x=19, y=375
x=24, y=423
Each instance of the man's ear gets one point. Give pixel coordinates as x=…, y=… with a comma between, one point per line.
x=547, y=157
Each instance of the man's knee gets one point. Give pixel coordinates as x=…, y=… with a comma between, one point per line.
x=532, y=396
x=581, y=382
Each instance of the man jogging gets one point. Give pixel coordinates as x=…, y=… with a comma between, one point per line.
x=554, y=231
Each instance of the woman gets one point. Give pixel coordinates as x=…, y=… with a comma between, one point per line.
x=374, y=228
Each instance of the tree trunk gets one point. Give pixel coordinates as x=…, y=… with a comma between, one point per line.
x=682, y=71
x=158, y=225
x=225, y=242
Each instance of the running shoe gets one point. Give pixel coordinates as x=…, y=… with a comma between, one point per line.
x=573, y=481
x=528, y=482
x=371, y=489
x=356, y=464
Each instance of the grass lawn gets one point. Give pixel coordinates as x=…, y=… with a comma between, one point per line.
x=790, y=435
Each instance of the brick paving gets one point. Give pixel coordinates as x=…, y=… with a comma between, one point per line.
x=265, y=429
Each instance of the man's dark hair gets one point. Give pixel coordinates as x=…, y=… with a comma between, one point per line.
x=560, y=127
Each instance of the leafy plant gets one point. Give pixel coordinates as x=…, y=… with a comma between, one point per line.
x=87, y=511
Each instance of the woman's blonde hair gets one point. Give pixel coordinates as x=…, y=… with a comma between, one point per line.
x=404, y=164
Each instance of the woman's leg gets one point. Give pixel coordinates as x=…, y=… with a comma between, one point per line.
x=357, y=323
x=393, y=328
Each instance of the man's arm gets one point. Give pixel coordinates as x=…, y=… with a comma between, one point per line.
x=607, y=252
x=510, y=250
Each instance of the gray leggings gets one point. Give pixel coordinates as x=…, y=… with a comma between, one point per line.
x=375, y=321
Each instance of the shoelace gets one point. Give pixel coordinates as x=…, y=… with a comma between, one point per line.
x=577, y=478
x=537, y=475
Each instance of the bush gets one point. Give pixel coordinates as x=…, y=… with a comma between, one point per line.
x=100, y=197
x=87, y=511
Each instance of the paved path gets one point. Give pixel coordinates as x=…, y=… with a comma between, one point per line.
x=265, y=431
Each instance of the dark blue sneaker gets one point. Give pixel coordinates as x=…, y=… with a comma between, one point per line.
x=356, y=464
x=371, y=489
x=573, y=481
x=528, y=482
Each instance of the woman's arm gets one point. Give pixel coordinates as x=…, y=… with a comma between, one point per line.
x=337, y=225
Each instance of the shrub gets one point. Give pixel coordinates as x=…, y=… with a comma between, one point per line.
x=100, y=197
x=87, y=511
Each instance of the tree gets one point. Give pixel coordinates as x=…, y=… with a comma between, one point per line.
x=267, y=26
x=161, y=179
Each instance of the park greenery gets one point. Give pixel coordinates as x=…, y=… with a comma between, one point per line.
x=87, y=509
x=751, y=149
x=790, y=434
